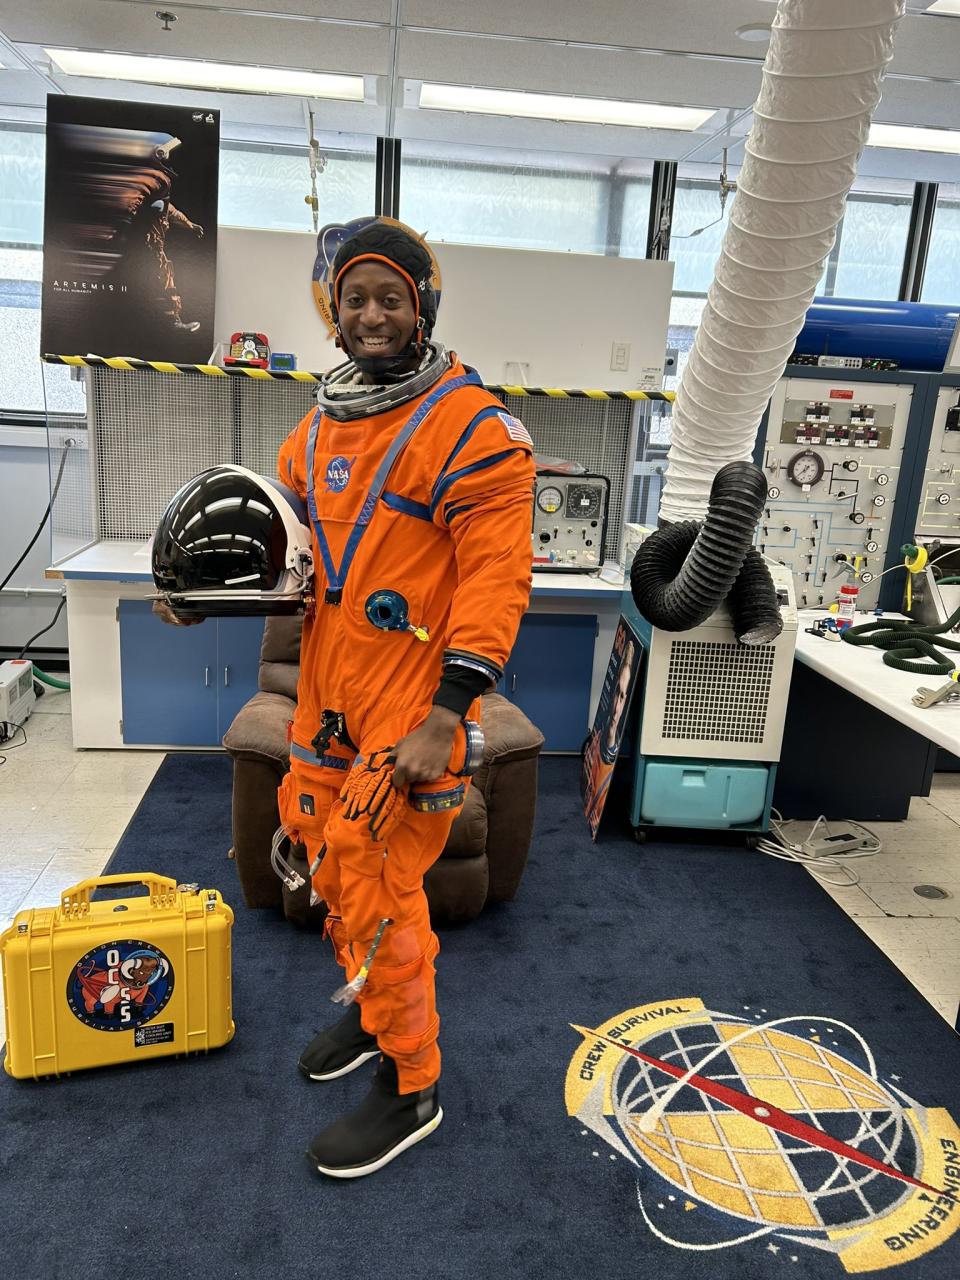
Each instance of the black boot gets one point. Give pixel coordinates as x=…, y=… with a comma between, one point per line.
x=338, y=1050
x=385, y=1123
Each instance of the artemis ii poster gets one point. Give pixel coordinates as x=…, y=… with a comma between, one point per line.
x=130, y=229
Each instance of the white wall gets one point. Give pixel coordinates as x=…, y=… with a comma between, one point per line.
x=557, y=313
x=26, y=491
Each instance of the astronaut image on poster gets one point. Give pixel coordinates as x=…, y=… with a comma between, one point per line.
x=130, y=229
x=603, y=745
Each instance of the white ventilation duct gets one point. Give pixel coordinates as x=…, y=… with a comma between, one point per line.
x=821, y=85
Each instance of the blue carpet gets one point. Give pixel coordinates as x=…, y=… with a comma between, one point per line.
x=195, y=1168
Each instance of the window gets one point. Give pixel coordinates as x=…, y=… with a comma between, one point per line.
x=941, y=283
x=867, y=259
x=635, y=217
x=267, y=186
x=21, y=181
x=486, y=196
x=26, y=384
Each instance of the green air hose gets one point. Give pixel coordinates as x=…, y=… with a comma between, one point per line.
x=906, y=644
x=50, y=680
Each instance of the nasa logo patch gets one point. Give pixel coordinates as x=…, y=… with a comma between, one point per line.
x=338, y=473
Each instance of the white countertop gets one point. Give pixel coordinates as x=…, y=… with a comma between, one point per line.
x=121, y=561
x=127, y=561
x=861, y=670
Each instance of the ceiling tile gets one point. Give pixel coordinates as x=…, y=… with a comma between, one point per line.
x=541, y=135
x=347, y=10
x=914, y=102
x=132, y=28
x=546, y=68
x=684, y=25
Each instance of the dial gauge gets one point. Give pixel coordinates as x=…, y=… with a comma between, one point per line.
x=805, y=468
x=550, y=499
x=583, y=502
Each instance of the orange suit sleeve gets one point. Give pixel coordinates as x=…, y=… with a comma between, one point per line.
x=292, y=457
x=484, y=498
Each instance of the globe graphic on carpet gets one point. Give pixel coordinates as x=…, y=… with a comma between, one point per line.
x=818, y=1071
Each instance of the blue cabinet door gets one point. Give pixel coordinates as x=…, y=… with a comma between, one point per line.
x=548, y=676
x=168, y=679
x=238, y=666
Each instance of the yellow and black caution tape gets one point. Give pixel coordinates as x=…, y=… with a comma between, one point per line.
x=166, y=366
x=296, y=375
x=559, y=394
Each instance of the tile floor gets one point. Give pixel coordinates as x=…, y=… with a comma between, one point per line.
x=63, y=811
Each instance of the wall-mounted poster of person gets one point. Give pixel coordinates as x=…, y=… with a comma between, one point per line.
x=130, y=229
x=603, y=744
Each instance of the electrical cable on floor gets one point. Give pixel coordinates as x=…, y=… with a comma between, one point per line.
x=9, y=730
x=778, y=845
x=48, y=627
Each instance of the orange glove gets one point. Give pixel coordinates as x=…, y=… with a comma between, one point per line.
x=370, y=793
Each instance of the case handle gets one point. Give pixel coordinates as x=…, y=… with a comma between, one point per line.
x=77, y=897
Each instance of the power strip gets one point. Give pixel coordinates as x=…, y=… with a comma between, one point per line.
x=828, y=839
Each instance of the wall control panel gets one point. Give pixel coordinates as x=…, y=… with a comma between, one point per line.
x=939, y=512
x=832, y=457
x=570, y=521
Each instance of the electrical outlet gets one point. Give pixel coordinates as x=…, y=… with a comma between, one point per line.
x=620, y=357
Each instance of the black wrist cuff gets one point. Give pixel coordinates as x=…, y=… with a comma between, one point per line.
x=459, y=687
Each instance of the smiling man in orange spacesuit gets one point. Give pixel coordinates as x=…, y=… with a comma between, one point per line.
x=419, y=487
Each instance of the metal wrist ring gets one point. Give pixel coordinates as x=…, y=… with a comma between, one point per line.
x=473, y=757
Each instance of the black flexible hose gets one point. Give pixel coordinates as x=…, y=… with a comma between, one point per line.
x=753, y=602
x=684, y=572
x=907, y=644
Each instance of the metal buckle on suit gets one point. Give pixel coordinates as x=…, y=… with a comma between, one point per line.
x=333, y=724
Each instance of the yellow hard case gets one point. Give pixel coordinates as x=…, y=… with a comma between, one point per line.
x=90, y=984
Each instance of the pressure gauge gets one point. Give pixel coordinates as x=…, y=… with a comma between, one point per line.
x=805, y=468
x=550, y=500
x=583, y=501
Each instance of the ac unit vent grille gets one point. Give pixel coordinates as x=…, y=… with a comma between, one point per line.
x=717, y=692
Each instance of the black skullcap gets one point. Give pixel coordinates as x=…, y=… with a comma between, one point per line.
x=380, y=240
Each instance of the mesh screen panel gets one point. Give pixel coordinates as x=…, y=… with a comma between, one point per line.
x=717, y=692
x=155, y=431
x=266, y=414
x=71, y=520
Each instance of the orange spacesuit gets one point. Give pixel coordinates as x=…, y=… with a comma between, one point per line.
x=421, y=517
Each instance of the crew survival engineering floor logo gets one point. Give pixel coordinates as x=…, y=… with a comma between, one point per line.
x=746, y=1127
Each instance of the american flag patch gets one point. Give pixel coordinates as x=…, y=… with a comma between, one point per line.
x=515, y=429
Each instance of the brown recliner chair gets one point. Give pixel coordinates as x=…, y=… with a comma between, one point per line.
x=484, y=857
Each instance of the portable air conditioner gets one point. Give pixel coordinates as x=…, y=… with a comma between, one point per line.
x=17, y=698
x=711, y=719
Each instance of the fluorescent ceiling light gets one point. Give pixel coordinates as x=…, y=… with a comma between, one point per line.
x=194, y=74
x=951, y=7
x=552, y=106
x=908, y=138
